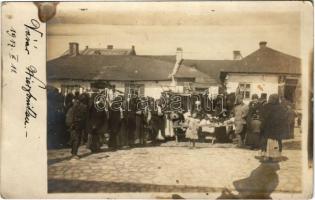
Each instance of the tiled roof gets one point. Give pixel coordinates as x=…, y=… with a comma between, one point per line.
x=99, y=67
x=268, y=60
x=169, y=58
x=105, y=66
x=211, y=67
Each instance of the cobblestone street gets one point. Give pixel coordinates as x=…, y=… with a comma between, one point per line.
x=170, y=168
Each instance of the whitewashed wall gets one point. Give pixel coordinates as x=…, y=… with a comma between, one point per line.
x=152, y=88
x=259, y=83
x=57, y=83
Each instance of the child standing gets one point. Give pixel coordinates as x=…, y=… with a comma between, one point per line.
x=192, y=130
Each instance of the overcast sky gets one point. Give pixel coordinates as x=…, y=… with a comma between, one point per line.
x=205, y=30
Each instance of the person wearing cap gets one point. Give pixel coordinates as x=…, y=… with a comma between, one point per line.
x=263, y=98
x=78, y=122
x=240, y=114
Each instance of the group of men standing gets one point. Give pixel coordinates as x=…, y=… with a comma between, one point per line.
x=124, y=119
x=262, y=120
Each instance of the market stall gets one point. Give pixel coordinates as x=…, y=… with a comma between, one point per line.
x=216, y=125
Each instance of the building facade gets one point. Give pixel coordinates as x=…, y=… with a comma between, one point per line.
x=263, y=72
x=91, y=69
x=266, y=71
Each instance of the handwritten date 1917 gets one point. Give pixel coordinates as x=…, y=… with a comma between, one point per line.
x=31, y=28
x=30, y=98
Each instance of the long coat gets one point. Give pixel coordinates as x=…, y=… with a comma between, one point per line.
x=157, y=121
x=96, y=119
x=240, y=113
x=96, y=126
x=274, y=121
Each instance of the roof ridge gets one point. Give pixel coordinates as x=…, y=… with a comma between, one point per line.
x=274, y=50
x=283, y=53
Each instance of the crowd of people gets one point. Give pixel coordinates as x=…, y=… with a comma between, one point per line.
x=262, y=123
x=77, y=119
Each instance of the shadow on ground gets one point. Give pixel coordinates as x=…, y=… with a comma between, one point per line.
x=64, y=186
x=259, y=185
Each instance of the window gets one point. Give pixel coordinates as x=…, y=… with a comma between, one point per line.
x=131, y=88
x=187, y=87
x=245, y=90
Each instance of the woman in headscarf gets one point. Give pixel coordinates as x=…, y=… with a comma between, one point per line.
x=274, y=126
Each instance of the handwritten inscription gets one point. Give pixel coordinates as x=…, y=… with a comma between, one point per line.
x=32, y=83
x=11, y=33
x=30, y=79
x=30, y=29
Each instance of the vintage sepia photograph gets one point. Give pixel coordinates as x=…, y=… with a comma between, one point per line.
x=176, y=99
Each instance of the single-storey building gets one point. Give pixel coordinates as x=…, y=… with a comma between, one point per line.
x=264, y=71
x=128, y=72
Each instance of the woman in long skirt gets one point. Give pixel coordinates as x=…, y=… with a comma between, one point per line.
x=274, y=127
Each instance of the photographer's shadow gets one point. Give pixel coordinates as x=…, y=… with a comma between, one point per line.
x=259, y=185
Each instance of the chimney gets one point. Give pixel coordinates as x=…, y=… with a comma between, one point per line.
x=179, y=54
x=110, y=46
x=237, y=55
x=262, y=44
x=73, y=48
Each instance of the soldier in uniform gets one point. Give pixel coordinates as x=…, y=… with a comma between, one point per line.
x=240, y=114
x=79, y=114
